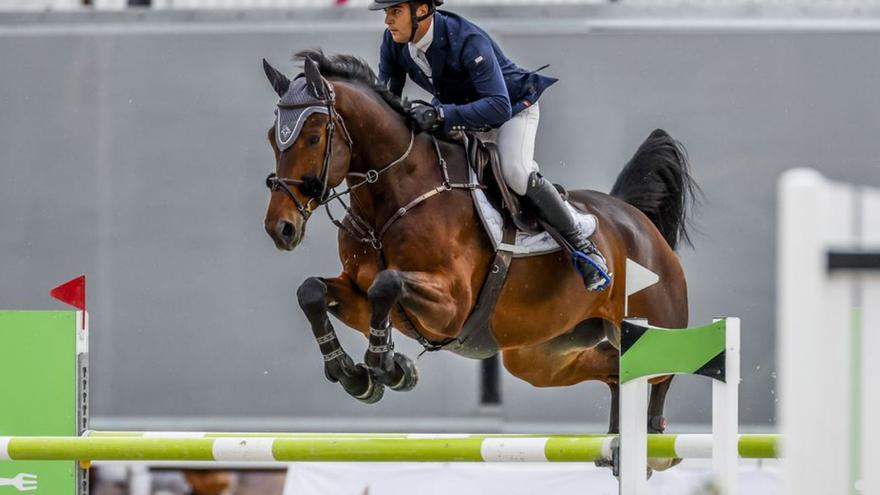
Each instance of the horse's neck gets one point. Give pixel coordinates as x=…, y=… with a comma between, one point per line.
x=399, y=184
x=380, y=138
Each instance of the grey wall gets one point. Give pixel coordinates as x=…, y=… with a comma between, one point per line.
x=133, y=149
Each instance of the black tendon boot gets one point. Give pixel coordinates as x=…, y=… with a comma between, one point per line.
x=551, y=209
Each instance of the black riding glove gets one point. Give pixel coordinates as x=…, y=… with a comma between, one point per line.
x=425, y=117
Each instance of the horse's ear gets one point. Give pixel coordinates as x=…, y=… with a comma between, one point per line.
x=279, y=81
x=314, y=79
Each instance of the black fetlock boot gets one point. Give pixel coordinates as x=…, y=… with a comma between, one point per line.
x=551, y=209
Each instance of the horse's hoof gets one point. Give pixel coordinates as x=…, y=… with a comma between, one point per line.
x=374, y=391
x=410, y=373
x=656, y=424
x=328, y=376
x=662, y=464
x=340, y=369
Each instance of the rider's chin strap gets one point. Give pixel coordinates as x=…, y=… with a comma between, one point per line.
x=417, y=19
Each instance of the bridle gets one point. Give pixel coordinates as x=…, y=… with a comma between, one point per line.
x=320, y=193
x=314, y=188
x=317, y=189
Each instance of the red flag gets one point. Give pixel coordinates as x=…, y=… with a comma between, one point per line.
x=72, y=292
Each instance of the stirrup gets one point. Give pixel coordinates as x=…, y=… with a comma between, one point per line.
x=579, y=255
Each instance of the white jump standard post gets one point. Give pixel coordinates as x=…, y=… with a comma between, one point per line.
x=829, y=333
x=712, y=351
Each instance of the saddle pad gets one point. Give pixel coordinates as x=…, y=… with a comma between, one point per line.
x=526, y=244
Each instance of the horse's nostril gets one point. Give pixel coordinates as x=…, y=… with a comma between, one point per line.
x=287, y=230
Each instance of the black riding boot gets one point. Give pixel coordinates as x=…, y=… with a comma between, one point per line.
x=552, y=209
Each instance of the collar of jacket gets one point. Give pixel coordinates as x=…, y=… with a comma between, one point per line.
x=437, y=55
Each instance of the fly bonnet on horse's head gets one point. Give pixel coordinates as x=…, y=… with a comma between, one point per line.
x=291, y=113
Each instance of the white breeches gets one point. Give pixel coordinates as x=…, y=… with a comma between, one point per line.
x=516, y=147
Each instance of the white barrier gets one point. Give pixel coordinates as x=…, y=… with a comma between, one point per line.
x=712, y=351
x=829, y=334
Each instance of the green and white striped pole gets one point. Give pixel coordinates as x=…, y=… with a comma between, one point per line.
x=223, y=447
x=645, y=352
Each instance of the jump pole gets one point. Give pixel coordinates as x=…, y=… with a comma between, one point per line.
x=223, y=447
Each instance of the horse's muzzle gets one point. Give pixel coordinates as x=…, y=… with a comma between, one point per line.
x=284, y=233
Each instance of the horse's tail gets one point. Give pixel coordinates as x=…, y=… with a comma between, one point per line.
x=658, y=182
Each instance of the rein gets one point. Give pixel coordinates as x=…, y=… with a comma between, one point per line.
x=359, y=228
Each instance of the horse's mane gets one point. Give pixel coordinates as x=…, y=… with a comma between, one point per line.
x=351, y=68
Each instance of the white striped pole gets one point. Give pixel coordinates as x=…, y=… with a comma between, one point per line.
x=192, y=446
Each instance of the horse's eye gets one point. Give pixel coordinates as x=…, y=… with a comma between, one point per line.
x=314, y=139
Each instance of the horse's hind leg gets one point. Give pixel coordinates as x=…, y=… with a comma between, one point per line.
x=656, y=421
x=314, y=296
x=614, y=418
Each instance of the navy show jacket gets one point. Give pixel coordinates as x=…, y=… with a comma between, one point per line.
x=474, y=83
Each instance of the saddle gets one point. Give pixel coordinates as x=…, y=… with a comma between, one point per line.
x=483, y=159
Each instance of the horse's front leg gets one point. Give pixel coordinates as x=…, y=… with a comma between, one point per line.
x=315, y=296
x=388, y=367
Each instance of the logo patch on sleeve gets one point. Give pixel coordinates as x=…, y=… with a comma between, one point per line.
x=478, y=59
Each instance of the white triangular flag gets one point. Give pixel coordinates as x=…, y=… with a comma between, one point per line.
x=637, y=278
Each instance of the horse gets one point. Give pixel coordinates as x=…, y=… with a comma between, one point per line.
x=415, y=255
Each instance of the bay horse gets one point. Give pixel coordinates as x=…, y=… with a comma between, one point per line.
x=412, y=241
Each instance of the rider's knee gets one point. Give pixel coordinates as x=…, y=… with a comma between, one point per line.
x=516, y=174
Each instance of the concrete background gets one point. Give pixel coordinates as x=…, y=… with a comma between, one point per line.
x=133, y=149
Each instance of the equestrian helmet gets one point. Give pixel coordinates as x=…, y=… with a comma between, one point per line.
x=384, y=4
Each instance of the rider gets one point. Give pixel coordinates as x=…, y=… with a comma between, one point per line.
x=476, y=87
